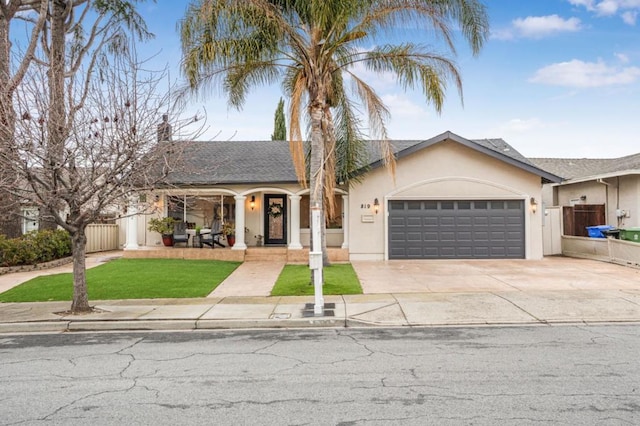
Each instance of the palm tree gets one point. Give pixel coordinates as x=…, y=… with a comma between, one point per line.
x=312, y=47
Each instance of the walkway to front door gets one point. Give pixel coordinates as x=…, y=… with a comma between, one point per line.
x=250, y=279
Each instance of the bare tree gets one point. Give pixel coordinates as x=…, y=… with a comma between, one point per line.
x=108, y=153
x=71, y=35
x=13, y=68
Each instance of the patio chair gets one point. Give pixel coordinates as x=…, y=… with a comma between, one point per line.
x=212, y=238
x=180, y=234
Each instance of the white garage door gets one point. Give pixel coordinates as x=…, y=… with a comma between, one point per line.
x=465, y=229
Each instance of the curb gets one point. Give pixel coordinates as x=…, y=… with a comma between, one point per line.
x=166, y=325
x=66, y=326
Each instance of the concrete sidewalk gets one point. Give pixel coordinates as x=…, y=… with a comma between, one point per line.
x=381, y=310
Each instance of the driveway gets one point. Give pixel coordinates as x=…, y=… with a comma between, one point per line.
x=448, y=276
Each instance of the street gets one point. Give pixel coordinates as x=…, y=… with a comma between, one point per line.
x=573, y=374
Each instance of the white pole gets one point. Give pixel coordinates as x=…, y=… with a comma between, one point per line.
x=132, y=225
x=184, y=209
x=221, y=209
x=315, y=261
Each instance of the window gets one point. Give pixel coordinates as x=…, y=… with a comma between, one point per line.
x=335, y=223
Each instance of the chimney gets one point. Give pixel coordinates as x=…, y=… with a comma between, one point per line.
x=164, y=129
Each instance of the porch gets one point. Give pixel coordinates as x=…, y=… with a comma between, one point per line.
x=256, y=217
x=250, y=254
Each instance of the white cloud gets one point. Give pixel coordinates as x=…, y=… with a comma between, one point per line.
x=402, y=107
x=502, y=34
x=542, y=26
x=628, y=9
x=518, y=125
x=576, y=73
x=586, y=3
x=622, y=57
x=537, y=27
x=629, y=17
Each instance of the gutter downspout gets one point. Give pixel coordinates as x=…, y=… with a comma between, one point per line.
x=606, y=197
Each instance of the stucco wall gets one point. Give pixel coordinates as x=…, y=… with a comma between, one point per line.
x=618, y=193
x=447, y=170
x=629, y=201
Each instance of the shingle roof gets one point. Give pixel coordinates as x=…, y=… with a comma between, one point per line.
x=576, y=168
x=215, y=162
x=219, y=162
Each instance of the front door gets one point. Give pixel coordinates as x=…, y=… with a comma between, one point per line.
x=275, y=219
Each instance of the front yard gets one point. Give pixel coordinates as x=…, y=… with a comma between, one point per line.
x=130, y=279
x=172, y=278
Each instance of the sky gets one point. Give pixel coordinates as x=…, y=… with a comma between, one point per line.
x=557, y=78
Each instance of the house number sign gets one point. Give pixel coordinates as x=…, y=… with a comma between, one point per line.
x=365, y=206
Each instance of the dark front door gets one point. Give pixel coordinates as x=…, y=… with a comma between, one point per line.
x=275, y=219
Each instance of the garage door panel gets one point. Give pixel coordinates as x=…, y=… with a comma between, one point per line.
x=465, y=236
x=414, y=221
x=430, y=236
x=430, y=221
x=456, y=229
x=447, y=221
x=481, y=221
x=464, y=221
x=414, y=236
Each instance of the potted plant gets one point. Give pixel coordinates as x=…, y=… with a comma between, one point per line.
x=164, y=227
x=197, y=242
x=229, y=231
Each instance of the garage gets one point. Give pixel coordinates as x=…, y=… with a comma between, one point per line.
x=456, y=229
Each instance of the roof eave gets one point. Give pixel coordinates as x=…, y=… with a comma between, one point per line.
x=601, y=176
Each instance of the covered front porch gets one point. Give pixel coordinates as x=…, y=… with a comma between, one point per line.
x=269, y=217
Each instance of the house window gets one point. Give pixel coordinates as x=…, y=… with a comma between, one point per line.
x=335, y=223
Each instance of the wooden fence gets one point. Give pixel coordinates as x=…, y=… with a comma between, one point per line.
x=102, y=237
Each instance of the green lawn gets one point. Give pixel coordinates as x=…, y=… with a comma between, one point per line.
x=295, y=280
x=130, y=279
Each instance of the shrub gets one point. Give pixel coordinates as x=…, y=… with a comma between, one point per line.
x=34, y=247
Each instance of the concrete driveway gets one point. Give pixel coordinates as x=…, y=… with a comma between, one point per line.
x=455, y=276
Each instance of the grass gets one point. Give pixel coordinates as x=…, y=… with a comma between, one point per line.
x=295, y=280
x=130, y=279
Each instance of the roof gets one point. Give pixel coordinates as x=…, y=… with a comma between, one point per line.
x=254, y=162
x=496, y=148
x=578, y=168
x=214, y=162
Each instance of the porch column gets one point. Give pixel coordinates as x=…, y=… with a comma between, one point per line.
x=240, y=244
x=345, y=221
x=294, y=243
x=132, y=224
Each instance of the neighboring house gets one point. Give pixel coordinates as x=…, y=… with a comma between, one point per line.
x=594, y=191
x=451, y=198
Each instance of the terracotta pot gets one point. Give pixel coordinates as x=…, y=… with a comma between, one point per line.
x=231, y=239
x=167, y=240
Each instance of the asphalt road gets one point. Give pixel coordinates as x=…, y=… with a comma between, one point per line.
x=472, y=376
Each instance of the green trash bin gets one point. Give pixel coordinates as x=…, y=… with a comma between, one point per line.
x=630, y=234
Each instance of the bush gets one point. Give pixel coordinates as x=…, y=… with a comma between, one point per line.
x=34, y=247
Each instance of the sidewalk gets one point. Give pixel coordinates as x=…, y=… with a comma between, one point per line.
x=377, y=310
x=554, y=291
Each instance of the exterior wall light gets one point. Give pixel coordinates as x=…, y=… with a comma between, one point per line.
x=253, y=202
x=376, y=205
x=534, y=204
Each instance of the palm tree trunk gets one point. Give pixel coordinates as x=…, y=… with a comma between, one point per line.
x=316, y=168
